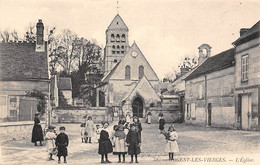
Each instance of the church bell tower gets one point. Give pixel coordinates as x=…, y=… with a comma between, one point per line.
x=116, y=43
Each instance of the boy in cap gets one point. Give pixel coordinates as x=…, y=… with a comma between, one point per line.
x=50, y=141
x=62, y=142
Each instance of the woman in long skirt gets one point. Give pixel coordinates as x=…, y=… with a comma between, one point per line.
x=37, y=134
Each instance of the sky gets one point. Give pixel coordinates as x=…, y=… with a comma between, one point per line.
x=164, y=30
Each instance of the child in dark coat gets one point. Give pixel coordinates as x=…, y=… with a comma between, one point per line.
x=62, y=142
x=105, y=145
x=138, y=125
x=133, y=141
x=161, y=124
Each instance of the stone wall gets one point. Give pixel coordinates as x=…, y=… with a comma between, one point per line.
x=98, y=115
x=16, y=130
x=169, y=115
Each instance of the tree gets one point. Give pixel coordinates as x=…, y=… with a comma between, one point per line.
x=62, y=100
x=41, y=98
x=7, y=36
x=189, y=62
x=30, y=33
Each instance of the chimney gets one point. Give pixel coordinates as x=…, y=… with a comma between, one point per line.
x=202, y=56
x=243, y=30
x=184, y=71
x=39, y=36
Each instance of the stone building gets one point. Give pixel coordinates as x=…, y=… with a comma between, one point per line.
x=247, y=78
x=209, y=91
x=23, y=67
x=130, y=85
x=65, y=86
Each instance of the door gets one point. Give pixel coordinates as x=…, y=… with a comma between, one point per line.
x=209, y=113
x=27, y=109
x=137, y=107
x=246, y=112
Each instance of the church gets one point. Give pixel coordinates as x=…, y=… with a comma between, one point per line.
x=130, y=85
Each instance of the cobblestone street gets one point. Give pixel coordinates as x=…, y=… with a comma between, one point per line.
x=193, y=141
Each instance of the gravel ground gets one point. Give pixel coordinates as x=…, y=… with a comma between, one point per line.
x=194, y=141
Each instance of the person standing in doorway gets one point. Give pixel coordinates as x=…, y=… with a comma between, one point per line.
x=37, y=134
x=149, y=118
x=90, y=129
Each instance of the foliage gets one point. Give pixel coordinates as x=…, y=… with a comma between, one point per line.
x=7, y=36
x=62, y=100
x=41, y=97
x=30, y=33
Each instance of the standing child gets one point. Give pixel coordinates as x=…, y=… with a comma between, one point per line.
x=105, y=145
x=133, y=141
x=119, y=143
x=83, y=133
x=98, y=131
x=138, y=125
x=62, y=143
x=161, y=124
x=128, y=119
x=90, y=129
x=171, y=146
x=50, y=141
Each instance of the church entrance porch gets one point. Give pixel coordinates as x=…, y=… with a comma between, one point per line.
x=137, y=107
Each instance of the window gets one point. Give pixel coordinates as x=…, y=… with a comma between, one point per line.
x=112, y=38
x=200, y=91
x=122, y=52
x=117, y=38
x=113, y=46
x=118, y=52
x=123, y=38
x=127, y=72
x=118, y=47
x=122, y=47
x=193, y=110
x=115, y=61
x=244, y=68
x=141, y=72
x=188, y=114
x=113, y=52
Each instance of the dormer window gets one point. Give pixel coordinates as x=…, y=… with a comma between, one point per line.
x=112, y=38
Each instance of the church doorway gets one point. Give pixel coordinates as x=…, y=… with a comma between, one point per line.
x=137, y=107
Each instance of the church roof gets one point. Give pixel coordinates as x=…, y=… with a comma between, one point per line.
x=109, y=74
x=141, y=88
x=218, y=62
x=20, y=62
x=117, y=23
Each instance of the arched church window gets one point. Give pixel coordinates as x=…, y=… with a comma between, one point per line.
x=127, y=72
x=118, y=47
x=141, y=71
x=113, y=46
x=117, y=38
x=112, y=38
x=123, y=38
x=122, y=47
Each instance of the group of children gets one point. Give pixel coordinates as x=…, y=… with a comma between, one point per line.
x=124, y=135
x=125, y=138
x=57, y=145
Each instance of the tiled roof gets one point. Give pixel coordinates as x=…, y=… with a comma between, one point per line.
x=20, y=61
x=218, y=62
x=252, y=33
x=64, y=83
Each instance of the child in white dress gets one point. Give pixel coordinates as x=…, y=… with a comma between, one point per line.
x=50, y=141
x=171, y=146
